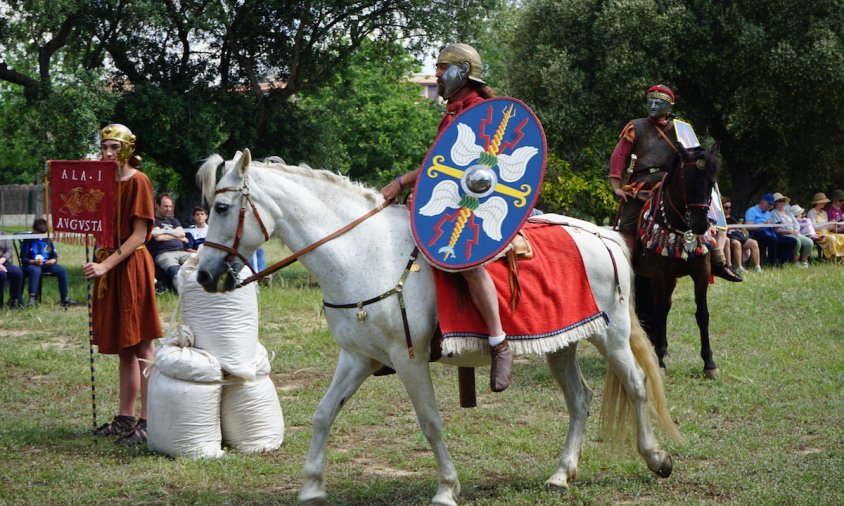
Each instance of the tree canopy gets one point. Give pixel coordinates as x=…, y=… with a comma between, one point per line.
x=762, y=76
x=192, y=77
x=319, y=82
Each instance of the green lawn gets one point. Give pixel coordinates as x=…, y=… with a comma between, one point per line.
x=769, y=431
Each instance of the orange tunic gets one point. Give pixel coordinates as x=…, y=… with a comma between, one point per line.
x=128, y=312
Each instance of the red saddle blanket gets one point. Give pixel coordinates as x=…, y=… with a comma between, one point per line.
x=556, y=306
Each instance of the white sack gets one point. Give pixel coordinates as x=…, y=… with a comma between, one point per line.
x=188, y=364
x=183, y=418
x=179, y=335
x=225, y=324
x=251, y=416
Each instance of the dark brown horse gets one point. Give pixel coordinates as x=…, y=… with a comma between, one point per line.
x=673, y=241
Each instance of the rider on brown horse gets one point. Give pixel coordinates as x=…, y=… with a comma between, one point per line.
x=645, y=152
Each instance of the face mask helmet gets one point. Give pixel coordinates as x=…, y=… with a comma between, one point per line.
x=122, y=134
x=660, y=99
x=464, y=64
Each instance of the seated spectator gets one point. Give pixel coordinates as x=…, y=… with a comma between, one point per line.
x=832, y=244
x=835, y=211
x=806, y=227
x=719, y=262
x=39, y=256
x=11, y=273
x=741, y=247
x=169, y=239
x=781, y=213
x=775, y=247
x=196, y=233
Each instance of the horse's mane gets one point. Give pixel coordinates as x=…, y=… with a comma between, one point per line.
x=207, y=173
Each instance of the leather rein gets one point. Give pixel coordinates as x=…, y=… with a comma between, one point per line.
x=245, y=198
x=663, y=195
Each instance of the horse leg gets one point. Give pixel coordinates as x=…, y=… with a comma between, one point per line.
x=710, y=370
x=416, y=377
x=625, y=368
x=644, y=303
x=350, y=373
x=661, y=305
x=566, y=370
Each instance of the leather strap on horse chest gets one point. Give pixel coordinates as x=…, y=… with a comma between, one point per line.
x=399, y=290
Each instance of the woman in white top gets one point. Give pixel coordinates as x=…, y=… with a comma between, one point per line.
x=781, y=213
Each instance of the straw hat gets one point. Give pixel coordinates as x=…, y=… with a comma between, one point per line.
x=820, y=198
x=797, y=210
x=780, y=196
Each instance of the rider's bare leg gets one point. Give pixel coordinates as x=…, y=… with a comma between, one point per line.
x=484, y=296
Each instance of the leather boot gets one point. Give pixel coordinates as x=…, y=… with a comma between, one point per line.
x=718, y=266
x=501, y=372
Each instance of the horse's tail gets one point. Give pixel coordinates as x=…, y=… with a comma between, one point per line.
x=206, y=177
x=617, y=414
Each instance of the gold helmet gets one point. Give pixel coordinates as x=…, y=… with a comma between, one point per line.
x=457, y=54
x=122, y=134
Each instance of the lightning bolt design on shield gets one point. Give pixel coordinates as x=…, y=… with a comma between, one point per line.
x=465, y=151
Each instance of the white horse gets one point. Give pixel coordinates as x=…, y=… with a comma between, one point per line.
x=300, y=206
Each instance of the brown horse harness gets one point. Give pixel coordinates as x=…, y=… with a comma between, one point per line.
x=664, y=196
x=245, y=198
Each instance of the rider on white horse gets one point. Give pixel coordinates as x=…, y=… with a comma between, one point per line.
x=459, y=83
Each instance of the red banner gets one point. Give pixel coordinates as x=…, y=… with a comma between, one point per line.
x=82, y=197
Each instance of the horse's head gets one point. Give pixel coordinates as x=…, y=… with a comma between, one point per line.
x=238, y=223
x=689, y=189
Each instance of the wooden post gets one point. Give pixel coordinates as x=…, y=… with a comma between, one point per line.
x=466, y=384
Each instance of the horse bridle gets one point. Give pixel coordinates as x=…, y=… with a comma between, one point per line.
x=685, y=216
x=232, y=251
x=245, y=198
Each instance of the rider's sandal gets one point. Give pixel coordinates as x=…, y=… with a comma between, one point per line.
x=138, y=435
x=121, y=425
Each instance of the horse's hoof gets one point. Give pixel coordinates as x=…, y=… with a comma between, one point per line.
x=665, y=467
x=555, y=487
x=443, y=500
x=318, y=499
x=712, y=374
x=557, y=483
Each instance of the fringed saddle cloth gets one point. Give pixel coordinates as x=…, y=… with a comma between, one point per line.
x=555, y=308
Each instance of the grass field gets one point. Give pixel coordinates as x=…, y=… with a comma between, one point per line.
x=769, y=431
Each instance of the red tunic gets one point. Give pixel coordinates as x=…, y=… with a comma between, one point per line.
x=128, y=312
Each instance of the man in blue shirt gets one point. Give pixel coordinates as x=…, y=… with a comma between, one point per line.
x=39, y=256
x=779, y=246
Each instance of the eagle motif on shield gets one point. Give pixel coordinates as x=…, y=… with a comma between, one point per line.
x=478, y=184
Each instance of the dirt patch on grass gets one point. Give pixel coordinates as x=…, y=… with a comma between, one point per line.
x=375, y=468
x=61, y=342
x=16, y=333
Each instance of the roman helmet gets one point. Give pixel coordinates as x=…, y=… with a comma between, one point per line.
x=660, y=99
x=464, y=64
x=122, y=134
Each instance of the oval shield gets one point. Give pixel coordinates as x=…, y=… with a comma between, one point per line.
x=478, y=184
